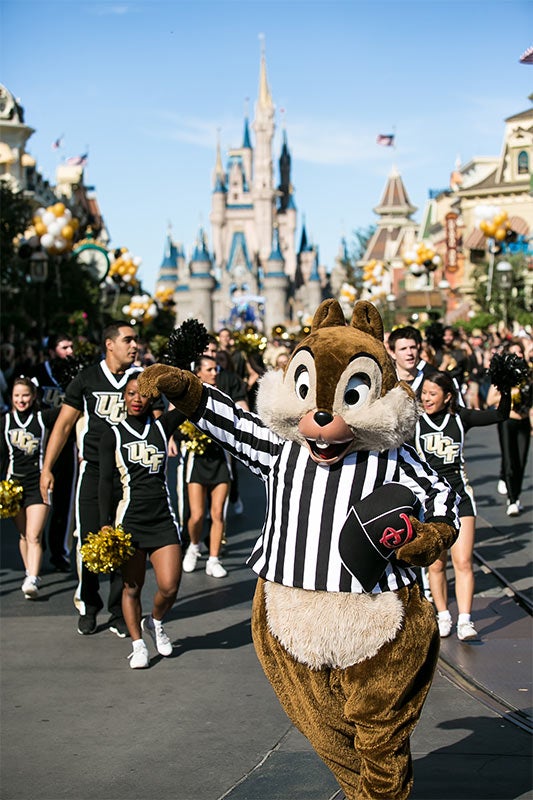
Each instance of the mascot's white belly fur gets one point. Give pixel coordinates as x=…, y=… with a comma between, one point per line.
x=332, y=629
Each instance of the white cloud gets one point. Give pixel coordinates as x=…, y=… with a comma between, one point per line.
x=111, y=9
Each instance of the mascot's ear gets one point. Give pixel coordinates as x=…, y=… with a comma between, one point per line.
x=366, y=318
x=328, y=314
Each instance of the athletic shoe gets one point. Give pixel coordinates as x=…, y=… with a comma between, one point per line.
x=162, y=642
x=466, y=631
x=30, y=587
x=190, y=559
x=118, y=627
x=513, y=510
x=502, y=487
x=139, y=658
x=86, y=624
x=215, y=569
x=445, y=626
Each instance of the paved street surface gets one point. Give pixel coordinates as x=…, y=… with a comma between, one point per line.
x=204, y=724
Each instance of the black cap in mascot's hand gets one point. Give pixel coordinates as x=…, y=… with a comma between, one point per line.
x=374, y=529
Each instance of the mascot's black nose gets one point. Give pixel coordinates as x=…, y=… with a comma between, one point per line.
x=323, y=418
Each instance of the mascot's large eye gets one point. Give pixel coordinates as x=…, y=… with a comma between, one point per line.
x=357, y=390
x=302, y=382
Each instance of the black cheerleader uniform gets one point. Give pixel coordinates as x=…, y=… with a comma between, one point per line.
x=440, y=437
x=210, y=468
x=98, y=394
x=137, y=448
x=65, y=470
x=23, y=443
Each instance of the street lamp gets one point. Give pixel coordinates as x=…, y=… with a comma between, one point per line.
x=505, y=279
x=38, y=275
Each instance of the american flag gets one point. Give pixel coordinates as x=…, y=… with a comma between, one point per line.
x=385, y=139
x=77, y=161
x=57, y=143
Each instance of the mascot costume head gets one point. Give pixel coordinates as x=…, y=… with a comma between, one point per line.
x=342, y=631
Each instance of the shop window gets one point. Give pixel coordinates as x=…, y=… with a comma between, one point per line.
x=523, y=163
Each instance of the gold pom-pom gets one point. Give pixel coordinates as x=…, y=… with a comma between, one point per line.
x=10, y=498
x=195, y=440
x=107, y=550
x=250, y=342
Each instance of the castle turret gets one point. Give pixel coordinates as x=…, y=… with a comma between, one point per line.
x=247, y=152
x=218, y=205
x=275, y=286
x=286, y=214
x=202, y=282
x=168, y=269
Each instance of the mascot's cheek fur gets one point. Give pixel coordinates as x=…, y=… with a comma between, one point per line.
x=332, y=629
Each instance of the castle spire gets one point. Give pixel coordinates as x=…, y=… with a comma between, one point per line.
x=219, y=176
x=265, y=98
x=246, y=141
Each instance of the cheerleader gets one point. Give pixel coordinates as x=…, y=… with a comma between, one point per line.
x=514, y=433
x=23, y=440
x=137, y=447
x=439, y=439
x=208, y=474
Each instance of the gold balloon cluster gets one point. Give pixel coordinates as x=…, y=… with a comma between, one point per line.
x=164, y=297
x=107, y=550
x=348, y=294
x=125, y=266
x=10, y=498
x=249, y=341
x=195, y=441
x=141, y=307
x=493, y=222
x=373, y=273
x=54, y=227
x=423, y=259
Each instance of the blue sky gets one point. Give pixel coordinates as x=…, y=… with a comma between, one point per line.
x=144, y=86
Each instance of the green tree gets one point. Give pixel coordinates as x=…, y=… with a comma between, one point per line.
x=49, y=303
x=510, y=303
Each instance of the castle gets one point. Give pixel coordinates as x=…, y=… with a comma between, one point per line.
x=253, y=274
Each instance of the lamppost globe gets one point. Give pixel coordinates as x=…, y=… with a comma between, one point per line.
x=504, y=270
x=505, y=279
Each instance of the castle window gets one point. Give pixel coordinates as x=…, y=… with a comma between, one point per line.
x=523, y=163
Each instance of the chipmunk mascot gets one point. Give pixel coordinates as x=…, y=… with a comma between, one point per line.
x=343, y=632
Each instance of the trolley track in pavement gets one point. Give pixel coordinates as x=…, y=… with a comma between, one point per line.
x=519, y=597
x=459, y=677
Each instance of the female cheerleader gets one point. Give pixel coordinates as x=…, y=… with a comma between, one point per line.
x=209, y=473
x=24, y=433
x=515, y=432
x=137, y=447
x=439, y=438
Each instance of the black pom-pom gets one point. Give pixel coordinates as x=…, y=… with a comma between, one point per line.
x=65, y=369
x=185, y=344
x=507, y=370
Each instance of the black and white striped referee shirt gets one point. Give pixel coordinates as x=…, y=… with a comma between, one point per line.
x=308, y=503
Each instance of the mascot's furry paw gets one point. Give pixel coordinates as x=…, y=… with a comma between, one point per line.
x=431, y=539
x=181, y=387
